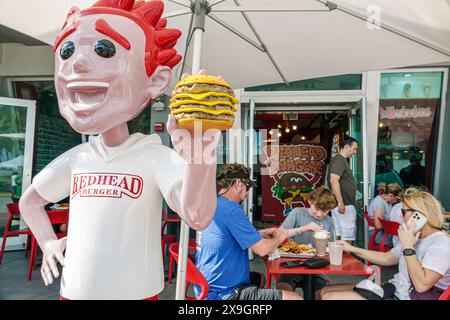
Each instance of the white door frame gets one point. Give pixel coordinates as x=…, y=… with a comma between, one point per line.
x=251, y=152
x=20, y=241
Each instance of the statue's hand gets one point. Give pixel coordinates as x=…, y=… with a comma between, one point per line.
x=194, y=148
x=53, y=253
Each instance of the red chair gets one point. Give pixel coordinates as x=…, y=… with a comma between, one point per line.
x=390, y=228
x=167, y=238
x=445, y=295
x=56, y=217
x=193, y=275
x=192, y=247
x=371, y=223
x=13, y=212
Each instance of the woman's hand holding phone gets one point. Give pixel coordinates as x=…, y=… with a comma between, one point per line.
x=406, y=235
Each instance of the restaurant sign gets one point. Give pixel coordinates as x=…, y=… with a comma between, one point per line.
x=106, y=185
x=403, y=112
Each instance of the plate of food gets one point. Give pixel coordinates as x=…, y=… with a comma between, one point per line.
x=60, y=206
x=292, y=249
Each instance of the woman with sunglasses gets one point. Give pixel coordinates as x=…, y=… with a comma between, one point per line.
x=423, y=256
x=397, y=215
x=380, y=208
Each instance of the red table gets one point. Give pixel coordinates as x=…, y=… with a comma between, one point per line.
x=349, y=266
x=57, y=216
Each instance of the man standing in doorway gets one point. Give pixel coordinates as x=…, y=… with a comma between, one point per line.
x=343, y=185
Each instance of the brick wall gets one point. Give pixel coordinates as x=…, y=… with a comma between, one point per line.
x=54, y=137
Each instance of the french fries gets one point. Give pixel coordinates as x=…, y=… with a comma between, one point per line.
x=294, y=247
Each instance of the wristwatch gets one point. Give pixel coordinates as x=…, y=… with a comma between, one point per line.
x=409, y=252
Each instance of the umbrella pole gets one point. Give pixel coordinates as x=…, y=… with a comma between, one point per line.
x=199, y=28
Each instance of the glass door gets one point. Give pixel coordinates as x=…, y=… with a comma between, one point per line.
x=359, y=164
x=17, y=125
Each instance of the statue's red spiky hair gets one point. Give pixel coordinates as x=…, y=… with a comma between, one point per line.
x=159, y=40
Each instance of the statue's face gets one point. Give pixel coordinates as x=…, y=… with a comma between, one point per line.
x=100, y=76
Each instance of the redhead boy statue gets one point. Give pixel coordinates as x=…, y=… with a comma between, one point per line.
x=111, y=61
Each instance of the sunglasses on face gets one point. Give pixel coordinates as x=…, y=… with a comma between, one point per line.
x=404, y=211
x=393, y=196
x=247, y=185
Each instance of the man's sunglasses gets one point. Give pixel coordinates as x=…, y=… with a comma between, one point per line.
x=247, y=185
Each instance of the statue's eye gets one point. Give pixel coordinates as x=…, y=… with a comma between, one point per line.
x=67, y=50
x=105, y=49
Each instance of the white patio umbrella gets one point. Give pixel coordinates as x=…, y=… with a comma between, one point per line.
x=282, y=43
x=13, y=164
x=256, y=42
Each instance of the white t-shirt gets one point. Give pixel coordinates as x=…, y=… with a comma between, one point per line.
x=13, y=180
x=114, y=240
x=433, y=253
x=396, y=216
x=379, y=203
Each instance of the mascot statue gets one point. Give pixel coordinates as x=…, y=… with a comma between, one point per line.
x=111, y=61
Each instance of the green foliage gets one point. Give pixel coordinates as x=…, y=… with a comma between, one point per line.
x=278, y=190
x=5, y=184
x=12, y=121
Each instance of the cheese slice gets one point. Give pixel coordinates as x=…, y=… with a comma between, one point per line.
x=203, y=103
x=206, y=124
x=201, y=78
x=209, y=111
x=203, y=96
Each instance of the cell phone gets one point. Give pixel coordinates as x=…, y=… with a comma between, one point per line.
x=419, y=219
x=292, y=264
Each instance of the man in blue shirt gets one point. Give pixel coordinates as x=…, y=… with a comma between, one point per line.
x=222, y=248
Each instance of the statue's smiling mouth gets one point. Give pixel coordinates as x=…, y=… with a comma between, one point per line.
x=87, y=96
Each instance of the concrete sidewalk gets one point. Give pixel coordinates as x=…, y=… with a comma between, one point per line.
x=15, y=286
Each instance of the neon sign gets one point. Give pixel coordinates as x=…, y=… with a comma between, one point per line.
x=403, y=112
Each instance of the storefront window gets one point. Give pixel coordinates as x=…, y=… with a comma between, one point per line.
x=341, y=82
x=408, y=117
